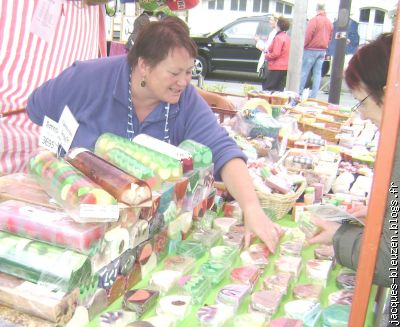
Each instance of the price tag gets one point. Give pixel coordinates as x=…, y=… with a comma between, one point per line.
x=45, y=19
x=98, y=212
x=67, y=128
x=48, y=138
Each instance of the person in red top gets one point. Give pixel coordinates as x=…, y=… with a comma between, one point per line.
x=318, y=35
x=278, y=57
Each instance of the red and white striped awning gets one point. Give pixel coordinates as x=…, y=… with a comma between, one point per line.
x=26, y=61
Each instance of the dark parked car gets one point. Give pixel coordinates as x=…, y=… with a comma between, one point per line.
x=233, y=47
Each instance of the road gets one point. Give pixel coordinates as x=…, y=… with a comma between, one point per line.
x=236, y=82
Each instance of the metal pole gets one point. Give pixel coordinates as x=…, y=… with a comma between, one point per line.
x=298, y=31
x=340, y=50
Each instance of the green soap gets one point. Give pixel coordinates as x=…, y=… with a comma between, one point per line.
x=336, y=315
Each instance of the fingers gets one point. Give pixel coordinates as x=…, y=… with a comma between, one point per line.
x=270, y=238
x=247, y=237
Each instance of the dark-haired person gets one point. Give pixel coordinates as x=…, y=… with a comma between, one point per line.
x=278, y=57
x=366, y=77
x=149, y=91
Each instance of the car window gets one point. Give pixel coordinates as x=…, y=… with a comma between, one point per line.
x=263, y=29
x=242, y=30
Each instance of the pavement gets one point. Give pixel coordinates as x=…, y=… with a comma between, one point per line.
x=235, y=83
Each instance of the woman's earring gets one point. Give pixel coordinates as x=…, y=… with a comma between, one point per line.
x=143, y=83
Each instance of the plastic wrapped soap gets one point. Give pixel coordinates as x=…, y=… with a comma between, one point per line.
x=140, y=300
x=164, y=280
x=305, y=224
x=232, y=294
x=201, y=154
x=344, y=297
x=305, y=310
x=216, y=315
x=253, y=319
x=197, y=286
x=190, y=248
x=224, y=253
x=246, y=275
x=234, y=239
x=318, y=270
x=307, y=292
x=224, y=224
x=72, y=189
x=209, y=237
x=336, y=315
x=124, y=187
x=116, y=318
x=181, y=263
x=166, y=168
x=291, y=248
x=214, y=270
x=278, y=282
x=256, y=254
x=285, y=322
x=174, y=305
x=324, y=252
x=346, y=279
x=265, y=301
x=288, y=264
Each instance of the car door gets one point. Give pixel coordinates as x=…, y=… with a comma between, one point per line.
x=234, y=47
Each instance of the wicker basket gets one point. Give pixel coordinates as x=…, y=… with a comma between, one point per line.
x=277, y=205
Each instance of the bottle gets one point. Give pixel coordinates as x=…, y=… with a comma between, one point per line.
x=309, y=196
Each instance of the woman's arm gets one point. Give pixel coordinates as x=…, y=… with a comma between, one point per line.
x=239, y=184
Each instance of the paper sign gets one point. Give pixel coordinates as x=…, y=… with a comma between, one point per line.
x=67, y=128
x=48, y=138
x=45, y=19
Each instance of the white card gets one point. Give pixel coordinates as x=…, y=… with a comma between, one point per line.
x=45, y=19
x=67, y=128
x=48, y=138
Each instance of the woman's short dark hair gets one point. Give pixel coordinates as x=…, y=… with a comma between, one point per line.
x=157, y=39
x=283, y=23
x=369, y=67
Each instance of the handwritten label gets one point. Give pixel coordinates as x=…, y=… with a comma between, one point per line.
x=67, y=128
x=45, y=19
x=48, y=138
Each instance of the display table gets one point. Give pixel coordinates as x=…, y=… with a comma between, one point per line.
x=307, y=253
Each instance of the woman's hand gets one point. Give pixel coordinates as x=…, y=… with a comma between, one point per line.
x=358, y=211
x=257, y=222
x=328, y=229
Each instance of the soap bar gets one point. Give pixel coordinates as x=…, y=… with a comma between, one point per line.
x=232, y=294
x=285, y=322
x=197, y=286
x=307, y=291
x=215, y=315
x=165, y=167
x=346, y=279
x=288, y=264
x=324, y=252
x=265, y=301
x=214, y=270
x=140, y=300
x=190, y=248
x=124, y=187
x=181, y=263
x=174, y=305
x=246, y=275
x=201, y=154
x=234, y=239
x=344, y=297
x=51, y=226
x=118, y=318
x=224, y=224
x=336, y=315
x=256, y=254
x=164, y=280
x=291, y=248
x=224, y=253
x=278, y=282
x=318, y=270
x=209, y=237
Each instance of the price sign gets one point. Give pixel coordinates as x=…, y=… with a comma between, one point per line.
x=48, y=138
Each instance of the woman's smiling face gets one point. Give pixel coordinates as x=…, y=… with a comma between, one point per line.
x=168, y=79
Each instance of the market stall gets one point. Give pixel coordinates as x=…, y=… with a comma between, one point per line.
x=138, y=233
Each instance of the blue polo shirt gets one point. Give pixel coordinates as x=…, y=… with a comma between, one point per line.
x=96, y=92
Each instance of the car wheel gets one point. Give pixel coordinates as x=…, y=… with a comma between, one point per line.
x=200, y=67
